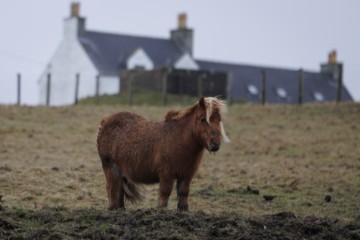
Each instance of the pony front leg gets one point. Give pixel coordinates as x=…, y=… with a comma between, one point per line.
x=183, y=188
x=166, y=186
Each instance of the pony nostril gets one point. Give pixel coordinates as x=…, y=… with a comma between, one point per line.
x=215, y=147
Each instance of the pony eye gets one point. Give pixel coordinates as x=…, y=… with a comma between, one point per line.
x=203, y=119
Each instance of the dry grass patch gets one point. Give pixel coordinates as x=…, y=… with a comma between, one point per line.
x=299, y=155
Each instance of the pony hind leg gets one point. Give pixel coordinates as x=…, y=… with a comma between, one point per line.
x=166, y=186
x=114, y=186
x=183, y=189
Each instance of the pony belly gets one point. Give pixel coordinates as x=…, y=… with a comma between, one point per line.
x=147, y=180
x=145, y=177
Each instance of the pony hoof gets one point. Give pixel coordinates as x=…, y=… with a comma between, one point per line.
x=114, y=208
x=161, y=206
x=183, y=208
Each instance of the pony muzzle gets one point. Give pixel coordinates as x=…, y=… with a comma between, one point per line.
x=214, y=147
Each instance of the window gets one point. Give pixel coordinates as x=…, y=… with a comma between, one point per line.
x=281, y=92
x=319, y=96
x=139, y=67
x=253, y=90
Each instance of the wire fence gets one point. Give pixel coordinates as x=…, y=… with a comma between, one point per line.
x=168, y=81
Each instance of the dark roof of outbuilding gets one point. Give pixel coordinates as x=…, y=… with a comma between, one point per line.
x=109, y=52
x=314, y=84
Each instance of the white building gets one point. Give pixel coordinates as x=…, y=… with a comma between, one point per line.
x=91, y=54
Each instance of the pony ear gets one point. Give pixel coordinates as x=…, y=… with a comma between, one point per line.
x=172, y=115
x=202, y=103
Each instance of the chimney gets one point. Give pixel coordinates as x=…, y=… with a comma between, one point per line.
x=332, y=57
x=183, y=36
x=74, y=25
x=182, y=21
x=75, y=9
x=333, y=68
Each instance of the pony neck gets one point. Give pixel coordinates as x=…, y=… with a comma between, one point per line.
x=186, y=125
x=184, y=121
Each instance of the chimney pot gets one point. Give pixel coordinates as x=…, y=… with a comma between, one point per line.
x=182, y=21
x=332, y=57
x=75, y=9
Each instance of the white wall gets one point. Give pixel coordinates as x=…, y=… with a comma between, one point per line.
x=186, y=62
x=69, y=59
x=109, y=85
x=140, y=58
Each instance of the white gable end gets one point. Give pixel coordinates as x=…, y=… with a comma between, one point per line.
x=69, y=59
x=139, y=59
x=186, y=62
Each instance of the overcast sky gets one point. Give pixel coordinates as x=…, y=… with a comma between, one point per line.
x=280, y=33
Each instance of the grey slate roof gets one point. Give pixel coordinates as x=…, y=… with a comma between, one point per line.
x=245, y=75
x=109, y=51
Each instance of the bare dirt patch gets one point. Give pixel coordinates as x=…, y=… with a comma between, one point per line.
x=61, y=223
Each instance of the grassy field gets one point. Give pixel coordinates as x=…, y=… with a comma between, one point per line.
x=307, y=158
x=140, y=97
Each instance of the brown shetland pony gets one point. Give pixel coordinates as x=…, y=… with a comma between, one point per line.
x=134, y=150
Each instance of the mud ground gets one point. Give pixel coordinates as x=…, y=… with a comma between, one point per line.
x=61, y=223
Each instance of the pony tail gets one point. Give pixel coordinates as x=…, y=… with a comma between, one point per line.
x=133, y=193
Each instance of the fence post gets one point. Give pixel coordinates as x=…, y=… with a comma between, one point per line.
x=129, y=88
x=200, y=84
x=263, y=86
x=77, y=81
x=166, y=72
x=301, y=80
x=339, y=88
x=48, y=88
x=97, y=100
x=230, y=87
x=18, y=89
x=120, y=76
